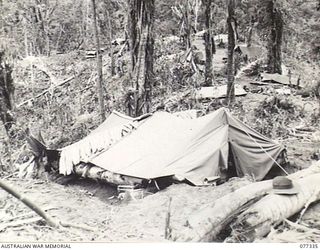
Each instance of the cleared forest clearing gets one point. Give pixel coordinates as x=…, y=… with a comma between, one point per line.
x=157, y=121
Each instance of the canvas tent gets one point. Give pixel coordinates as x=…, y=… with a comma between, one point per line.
x=112, y=130
x=194, y=149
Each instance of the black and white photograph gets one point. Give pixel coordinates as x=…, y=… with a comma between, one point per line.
x=159, y=121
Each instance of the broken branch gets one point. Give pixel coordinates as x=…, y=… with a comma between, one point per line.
x=45, y=91
x=29, y=203
x=4, y=226
x=51, y=222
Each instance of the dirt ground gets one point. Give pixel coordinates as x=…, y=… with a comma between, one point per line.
x=92, y=204
x=95, y=205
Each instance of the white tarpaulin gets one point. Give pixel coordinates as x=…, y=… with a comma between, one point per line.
x=218, y=92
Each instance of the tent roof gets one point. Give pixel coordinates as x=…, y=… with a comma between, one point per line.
x=194, y=149
x=102, y=138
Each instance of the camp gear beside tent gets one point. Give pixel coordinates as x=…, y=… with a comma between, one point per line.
x=283, y=185
x=164, y=145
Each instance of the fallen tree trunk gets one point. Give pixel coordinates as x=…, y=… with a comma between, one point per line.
x=207, y=223
x=256, y=222
x=313, y=169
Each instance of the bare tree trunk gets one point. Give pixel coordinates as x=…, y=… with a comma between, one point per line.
x=250, y=31
x=113, y=72
x=25, y=37
x=209, y=43
x=188, y=26
x=196, y=16
x=48, y=43
x=141, y=41
x=134, y=7
x=6, y=94
x=99, y=63
x=231, y=44
x=275, y=38
x=149, y=49
x=86, y=11
x=134, y=43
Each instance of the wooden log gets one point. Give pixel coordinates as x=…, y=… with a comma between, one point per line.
x=313, y=169
x=208, y=221
x=97, y=173
x=256, y=222
x=205, y=224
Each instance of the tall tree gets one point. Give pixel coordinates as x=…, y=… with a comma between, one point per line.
x=250, y=31
x=183, y=12
x=231, y=24
x=209, y=42
x=141, y=37
x=187, y=23
x=134, y=7
x=99, y=62
x=6, y=93
x=275, y=26
x=113, y=72
x=149, y=49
